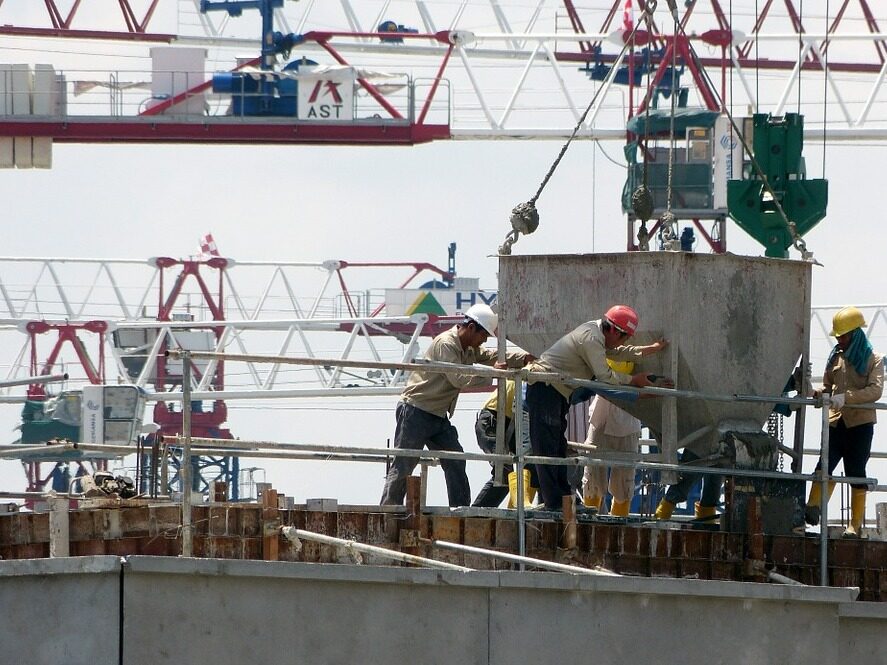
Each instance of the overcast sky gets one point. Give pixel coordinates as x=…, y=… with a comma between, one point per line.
x=300, y=203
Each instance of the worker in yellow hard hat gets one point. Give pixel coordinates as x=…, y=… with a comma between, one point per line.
x=491, y=494
x=611, y=429
x=854, y=374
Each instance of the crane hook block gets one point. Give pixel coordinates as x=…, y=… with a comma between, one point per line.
x=780, y=178
x=525, y=218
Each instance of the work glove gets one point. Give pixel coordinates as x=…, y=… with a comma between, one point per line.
x=838, y=401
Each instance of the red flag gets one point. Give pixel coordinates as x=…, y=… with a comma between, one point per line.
x=208, y=246
x=627, y=17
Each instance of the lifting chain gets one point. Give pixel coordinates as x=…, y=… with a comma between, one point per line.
x=524, y=216
x=643, y=237
x=667, y=234
x=642, y=198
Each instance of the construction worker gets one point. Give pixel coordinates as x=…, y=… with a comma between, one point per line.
x=854, y=374
x=611, y=429
x=429, y=399
x=707, y=507
x=582, y=354
x=491, y=494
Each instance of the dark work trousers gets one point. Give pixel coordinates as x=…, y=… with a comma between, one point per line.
x=491, y=494
x=415, y=430
x=548, y=438
x=711, y=484
x=853, y=445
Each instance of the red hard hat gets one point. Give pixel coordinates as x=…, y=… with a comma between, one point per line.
x=623, y=317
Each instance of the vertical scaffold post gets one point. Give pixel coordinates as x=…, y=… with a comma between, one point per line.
x=823, y=500
x=185, y=464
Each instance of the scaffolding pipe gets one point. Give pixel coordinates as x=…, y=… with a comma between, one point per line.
x=426, y=456
x=479, y=370
x=824, y=497
x=185, y=465
x=525, y=560
x=30, y=380
x=293, y=534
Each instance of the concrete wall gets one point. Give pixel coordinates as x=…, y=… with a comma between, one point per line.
x=60, y=611
x=233, y=612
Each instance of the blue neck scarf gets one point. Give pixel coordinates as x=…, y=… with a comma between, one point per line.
x=857, y=353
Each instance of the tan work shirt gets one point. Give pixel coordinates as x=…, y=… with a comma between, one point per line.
x=437, y=393
x=582, y=354
x=841, y=377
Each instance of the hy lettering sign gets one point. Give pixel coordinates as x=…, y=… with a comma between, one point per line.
x=440, y=302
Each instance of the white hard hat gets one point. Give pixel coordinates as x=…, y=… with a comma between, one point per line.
x=484, y=316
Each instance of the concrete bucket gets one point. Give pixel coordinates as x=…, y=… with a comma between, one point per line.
x=737, y=325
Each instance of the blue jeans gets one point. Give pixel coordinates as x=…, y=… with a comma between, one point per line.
x=417, y=429
x=711, y=485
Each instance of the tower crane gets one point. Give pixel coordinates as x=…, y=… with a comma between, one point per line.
x=440, y=74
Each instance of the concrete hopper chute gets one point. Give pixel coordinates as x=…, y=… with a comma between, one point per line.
x=736, y=325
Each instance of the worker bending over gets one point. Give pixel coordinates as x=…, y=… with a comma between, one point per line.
x=854, y=374
x=581, y=354
x=429, y=399
x=611, y=429
x=491, y=494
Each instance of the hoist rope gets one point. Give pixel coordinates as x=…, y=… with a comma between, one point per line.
x=667, y=233
x=524, y=216
x=825, y=87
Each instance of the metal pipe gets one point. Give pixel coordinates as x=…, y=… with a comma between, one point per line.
x=29, y=380
x=30, y=450
x=185, y=464
x=453, y=368
x=518, y=420
x=293, y=534
x=782, y=579
x=514, y=558
x=325, y=452
x=823, y=499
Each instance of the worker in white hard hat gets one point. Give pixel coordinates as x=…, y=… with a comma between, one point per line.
x=611, y=429
x=429, y=399
x=580, y=354
x=854, y=374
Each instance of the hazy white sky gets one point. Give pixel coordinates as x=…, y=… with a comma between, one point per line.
x=300, y=203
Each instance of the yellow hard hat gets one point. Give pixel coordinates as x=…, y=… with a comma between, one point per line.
x=624, y=366
x=846, y=320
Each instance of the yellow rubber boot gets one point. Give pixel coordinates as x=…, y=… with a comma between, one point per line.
x=857, y=513
x=593, y=502
x=664, y=510
x=620, y=508
x=512, y=489
x=812, y=510
x=704, y=512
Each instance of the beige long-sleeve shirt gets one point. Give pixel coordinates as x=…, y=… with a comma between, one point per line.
x=437, y=393
x=582, y=354
x=841, y=377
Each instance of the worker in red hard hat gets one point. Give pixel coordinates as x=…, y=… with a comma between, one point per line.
x=429, y=399
x=580, y=354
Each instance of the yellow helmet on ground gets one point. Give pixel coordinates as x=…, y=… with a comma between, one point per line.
x=847, y=320
x=624, y=366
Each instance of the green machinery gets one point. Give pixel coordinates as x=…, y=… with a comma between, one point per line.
x=777, y=146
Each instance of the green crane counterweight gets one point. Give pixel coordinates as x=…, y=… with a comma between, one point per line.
x=777, y=146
